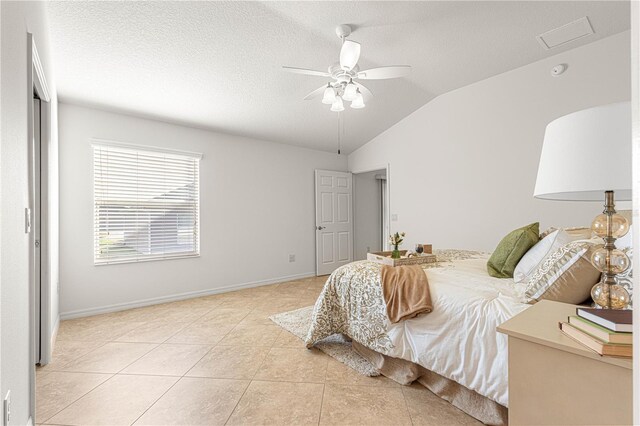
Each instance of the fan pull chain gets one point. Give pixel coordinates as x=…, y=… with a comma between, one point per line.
x=339, y=132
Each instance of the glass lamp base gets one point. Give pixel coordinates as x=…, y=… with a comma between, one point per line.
x=619, y=296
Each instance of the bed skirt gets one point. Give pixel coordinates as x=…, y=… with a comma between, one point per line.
x=406, y=372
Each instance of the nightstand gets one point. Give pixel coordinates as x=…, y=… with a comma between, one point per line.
x=555, y=380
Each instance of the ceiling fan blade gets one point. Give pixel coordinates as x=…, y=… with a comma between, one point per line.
x=381, y=73
x=366, y=93
x=319, y=91
x=349, y=54
x=306, y=71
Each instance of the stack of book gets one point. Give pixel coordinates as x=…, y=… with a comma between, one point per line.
x=605, y=331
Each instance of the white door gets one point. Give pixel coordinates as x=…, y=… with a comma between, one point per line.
x=334, y=220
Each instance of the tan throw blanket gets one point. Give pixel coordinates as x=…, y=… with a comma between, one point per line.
x=406, y=292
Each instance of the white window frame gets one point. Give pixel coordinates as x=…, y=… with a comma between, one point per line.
x=101, y=143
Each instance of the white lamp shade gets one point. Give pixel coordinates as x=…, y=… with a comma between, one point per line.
x=337, y=106
x=358, y=102
x=586, y=153
x=350, y=92
x=329, y=96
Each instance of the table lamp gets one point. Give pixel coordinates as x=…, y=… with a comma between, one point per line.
x=586, y=156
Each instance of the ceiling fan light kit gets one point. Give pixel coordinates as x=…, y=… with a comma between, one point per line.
x=358, y=102
x=344, y=72
x=337, y=106
x=350, y=91
x=329, y=96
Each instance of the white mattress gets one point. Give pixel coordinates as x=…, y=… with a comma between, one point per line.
x=458, y=340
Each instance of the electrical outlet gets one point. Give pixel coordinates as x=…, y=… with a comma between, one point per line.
x=394, y=218
x=7, y=409
x=368, y=249
x=292, y=258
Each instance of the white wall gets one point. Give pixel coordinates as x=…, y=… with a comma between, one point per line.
x=257, y=207
x=367, y=214
x=635, y=108
x=463, y=167
x=18, y=18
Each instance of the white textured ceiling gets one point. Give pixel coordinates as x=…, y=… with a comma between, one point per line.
x=217, y=65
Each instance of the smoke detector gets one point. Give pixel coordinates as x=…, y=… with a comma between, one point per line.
x=558, y=69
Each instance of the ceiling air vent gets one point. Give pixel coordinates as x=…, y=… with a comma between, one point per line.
x=566, y=33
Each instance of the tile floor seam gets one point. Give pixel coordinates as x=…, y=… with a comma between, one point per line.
x=75, y=359
x=154, y=402
x=261, y=364
x=238, y=402
x=77, y=399
x=406, y=404
x=117, y=372
x=130, y=331
x=177, y=331
x=114, y=338
x=197, y=362
x=324, y=387
x=149, y=374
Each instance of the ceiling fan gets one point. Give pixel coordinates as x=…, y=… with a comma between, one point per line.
x=345, y=73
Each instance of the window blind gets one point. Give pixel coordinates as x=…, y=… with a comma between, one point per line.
x=146, y=204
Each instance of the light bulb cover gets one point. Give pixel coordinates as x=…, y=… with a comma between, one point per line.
x=358, y=102
x=350, y=92
x=329, y=96
x=337, y=106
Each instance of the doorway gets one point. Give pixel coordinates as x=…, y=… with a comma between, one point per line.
x=38, y=225
x=370, y=212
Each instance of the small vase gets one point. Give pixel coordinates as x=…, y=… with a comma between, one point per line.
x=395, y=254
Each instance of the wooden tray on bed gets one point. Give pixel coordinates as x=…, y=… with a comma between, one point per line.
x=384, y=257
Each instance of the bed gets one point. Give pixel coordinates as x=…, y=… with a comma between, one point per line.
x=457, y=341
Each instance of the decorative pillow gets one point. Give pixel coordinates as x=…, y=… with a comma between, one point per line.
x=536, y=255
x=510, y=250
x=626, y=241
x=566, y=275
x=576, y=233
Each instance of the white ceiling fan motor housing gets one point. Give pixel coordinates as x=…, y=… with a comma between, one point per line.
x=343, y=31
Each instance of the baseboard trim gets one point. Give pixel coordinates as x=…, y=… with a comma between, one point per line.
x=175, y=297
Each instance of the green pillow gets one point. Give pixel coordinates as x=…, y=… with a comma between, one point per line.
x=506, y=256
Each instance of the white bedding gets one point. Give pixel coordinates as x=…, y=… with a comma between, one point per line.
x=458, y=340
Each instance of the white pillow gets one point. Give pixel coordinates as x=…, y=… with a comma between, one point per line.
x=576, y=233
x=626, y=241
x=536, y=254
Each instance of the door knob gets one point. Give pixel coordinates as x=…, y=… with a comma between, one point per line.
x=320, y=228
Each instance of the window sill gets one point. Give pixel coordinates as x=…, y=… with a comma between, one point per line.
x=144, y=260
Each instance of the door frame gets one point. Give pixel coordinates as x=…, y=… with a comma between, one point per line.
x=37, y=86
x=387, y=167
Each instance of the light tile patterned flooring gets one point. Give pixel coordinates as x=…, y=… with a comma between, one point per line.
x=217, y=360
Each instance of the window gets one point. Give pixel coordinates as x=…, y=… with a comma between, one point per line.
x=146, y=204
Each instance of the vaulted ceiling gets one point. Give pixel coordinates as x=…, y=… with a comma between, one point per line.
x=217, y=65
